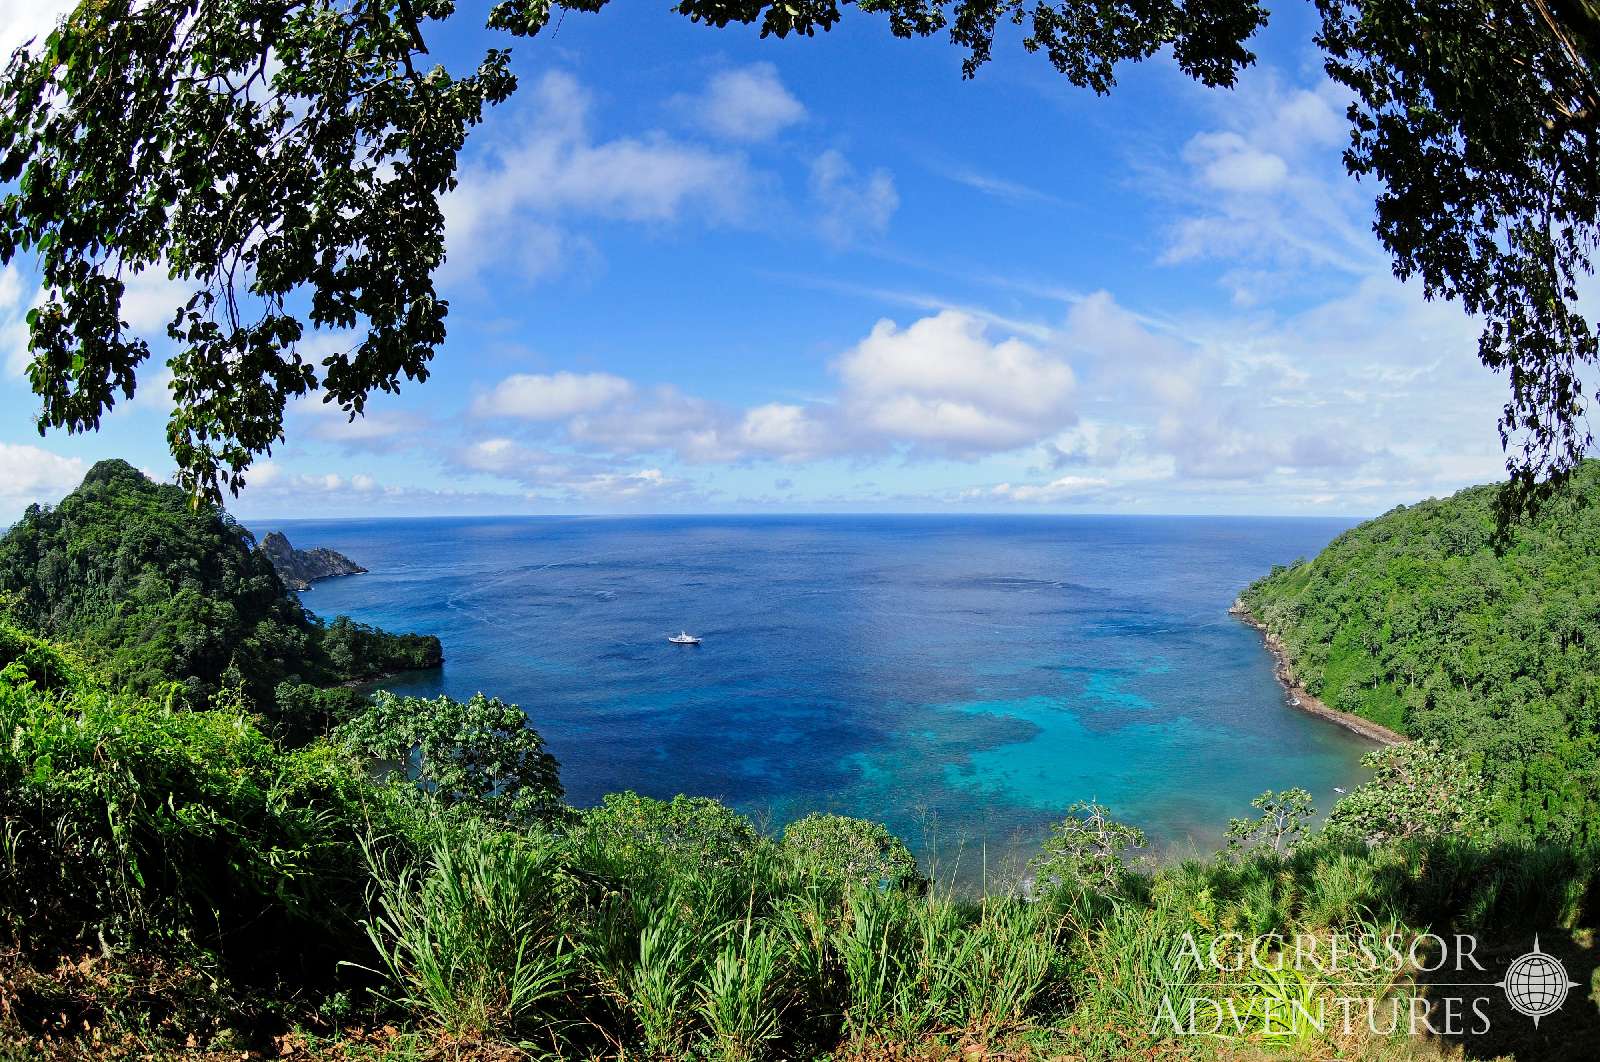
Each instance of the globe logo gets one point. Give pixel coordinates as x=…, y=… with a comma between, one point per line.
x=1537, y=984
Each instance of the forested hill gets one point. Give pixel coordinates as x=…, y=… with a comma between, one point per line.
x=152, y=589
x=1413, y=620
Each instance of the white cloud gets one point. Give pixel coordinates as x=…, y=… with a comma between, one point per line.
x=1228, y=162
x=749, y=103
x=1001, y=187
x=150, y=299
x=625, y=485
x=528, y=396
x=662, y=420
x=1062, y=489
x=940, y=387
x=511, y=202
x=574, y=477
x=374, y=430
x=788, y=432
x=30, y=474
x=510, y=459
x=943, y=386
x=851, y=207
x=1361, y=396
x=276, y=490
x=270, y=479
x=152, y=391
x=1267, y=194
x=1089, y=443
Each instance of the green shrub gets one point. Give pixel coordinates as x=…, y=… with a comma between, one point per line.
x=644, y=838
x=131, y=820
x=1418, y=791
x=30, y=659
x=1086, y=851
x=302, y=712
x=479, y=755
x=852, y=850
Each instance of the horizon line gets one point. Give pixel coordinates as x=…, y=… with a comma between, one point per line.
x=709, y=514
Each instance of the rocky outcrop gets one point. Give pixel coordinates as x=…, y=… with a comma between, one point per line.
x=299, y=568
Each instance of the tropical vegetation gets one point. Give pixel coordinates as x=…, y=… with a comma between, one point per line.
x=154, y=591
x=174, y=877
x=1423, y=620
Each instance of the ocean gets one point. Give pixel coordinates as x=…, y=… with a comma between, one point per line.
x=963, y=679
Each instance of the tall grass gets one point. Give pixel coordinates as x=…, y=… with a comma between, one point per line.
x=740, y=997
x=648, y=929
x=658, y=987
x=468, y=934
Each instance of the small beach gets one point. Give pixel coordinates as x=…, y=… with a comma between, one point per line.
x=1300, y=697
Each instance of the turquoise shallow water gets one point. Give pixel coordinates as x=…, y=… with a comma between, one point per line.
x=964, y=679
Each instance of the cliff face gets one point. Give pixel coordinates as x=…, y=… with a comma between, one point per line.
x=299, y=568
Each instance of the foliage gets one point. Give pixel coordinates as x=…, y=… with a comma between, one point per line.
x=1481, y=121
x=853, y=850
x=154, y=590
x=304, y=712
x=1286, y=1003
x=1284, y=820
x=359, y=651
x=738, y=996
x=479, y=754
x=283, y=162
x=129, y=819
x=682, y=833
x=267, y=156
x=1418, y=790
x=1086, y=851
x=24, y=658
x=1415, y=621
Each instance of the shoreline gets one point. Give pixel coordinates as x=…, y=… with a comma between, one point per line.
x=1301, y=698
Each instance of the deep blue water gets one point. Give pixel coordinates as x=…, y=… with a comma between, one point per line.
x=963, y=679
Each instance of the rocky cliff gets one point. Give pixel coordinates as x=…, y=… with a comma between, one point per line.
x=299, y=568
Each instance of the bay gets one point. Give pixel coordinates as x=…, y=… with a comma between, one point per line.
x=963, y=679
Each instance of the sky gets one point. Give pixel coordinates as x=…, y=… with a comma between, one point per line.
x=691, y=270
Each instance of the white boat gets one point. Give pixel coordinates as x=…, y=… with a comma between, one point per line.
x=684, y=638
x=1338, y=789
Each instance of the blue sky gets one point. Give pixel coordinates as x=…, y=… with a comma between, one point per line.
x=695, y=271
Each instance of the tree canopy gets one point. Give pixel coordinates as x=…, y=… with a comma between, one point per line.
x=154, y=590
x=284, y=160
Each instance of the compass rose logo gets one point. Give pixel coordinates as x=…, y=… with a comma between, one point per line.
x=1537, y=984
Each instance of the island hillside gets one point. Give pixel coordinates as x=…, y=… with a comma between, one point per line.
x=152, y=589
x=1418, y=622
